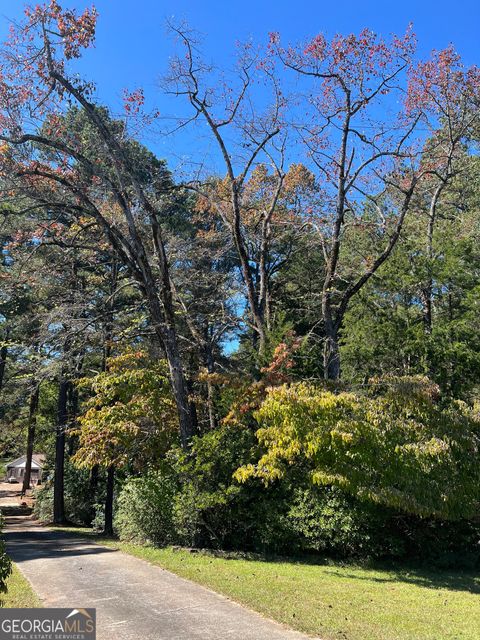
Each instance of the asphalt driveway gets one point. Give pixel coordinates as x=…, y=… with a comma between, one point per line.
x=134, y=599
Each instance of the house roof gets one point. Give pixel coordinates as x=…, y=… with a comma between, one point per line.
x=38, y=460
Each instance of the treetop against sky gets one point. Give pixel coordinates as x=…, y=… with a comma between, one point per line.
x=133, y=46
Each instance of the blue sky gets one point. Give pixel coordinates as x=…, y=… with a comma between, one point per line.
x=131, y=34
x=133, y=46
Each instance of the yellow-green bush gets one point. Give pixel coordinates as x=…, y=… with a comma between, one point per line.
x=399, y=448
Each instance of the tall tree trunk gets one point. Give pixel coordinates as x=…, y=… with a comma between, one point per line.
x=427, y=290
x=212, y=416
x=163, y=315
x=32, y=423
x=166, y=333
x=107, y=352
x=331, y=355
x=257, y=313
x=132, y=250
x=92, y=492
x=59, y=481
x=427, y=304
x=3, y=359
x=73, y=402
x=186, y=415
x=331, y=351
x=108, y=530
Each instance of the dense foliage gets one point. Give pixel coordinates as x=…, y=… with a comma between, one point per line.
x=145, y=509
x=5, y=563
x=129, y=417
x=275, y=351
x=81, y=506
x=195, y=501
x=399, y=448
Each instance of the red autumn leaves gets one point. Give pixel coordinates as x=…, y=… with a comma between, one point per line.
x=75, y=31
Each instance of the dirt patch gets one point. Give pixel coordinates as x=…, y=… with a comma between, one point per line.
x=10, y=493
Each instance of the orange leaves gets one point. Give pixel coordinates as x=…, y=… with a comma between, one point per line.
x=202, y=204
x=133, y=101
x=38, y=49
x=317, y=47
x=441, y=84
x=298, y=176
x=36, y=235
x=351, y=60
x=259, y=177
x=76, y=31
x=54, y=126
x=282, y=360
x=215, y=197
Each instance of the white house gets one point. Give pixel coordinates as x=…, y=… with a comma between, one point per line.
x=16, y=469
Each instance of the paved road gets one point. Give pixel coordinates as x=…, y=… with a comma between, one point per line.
x=134, y=599
x=9, y=494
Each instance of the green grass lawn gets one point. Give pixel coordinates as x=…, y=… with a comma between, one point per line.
x=335, y=601
x=19, y=592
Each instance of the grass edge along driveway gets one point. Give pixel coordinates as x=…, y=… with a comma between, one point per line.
x=333, y=601
x=19, y=592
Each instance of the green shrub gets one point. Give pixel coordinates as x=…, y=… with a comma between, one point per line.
x=329, y=521
x=43, y=507
x=332, y=522
x=214, y=510
x=5, y=563
x=433, y=542
x=144, y=510
x=98, y=520
x=401, y=448
x=79, y=505
x=188, y=517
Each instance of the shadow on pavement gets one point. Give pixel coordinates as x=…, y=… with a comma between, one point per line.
x=29, y=541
